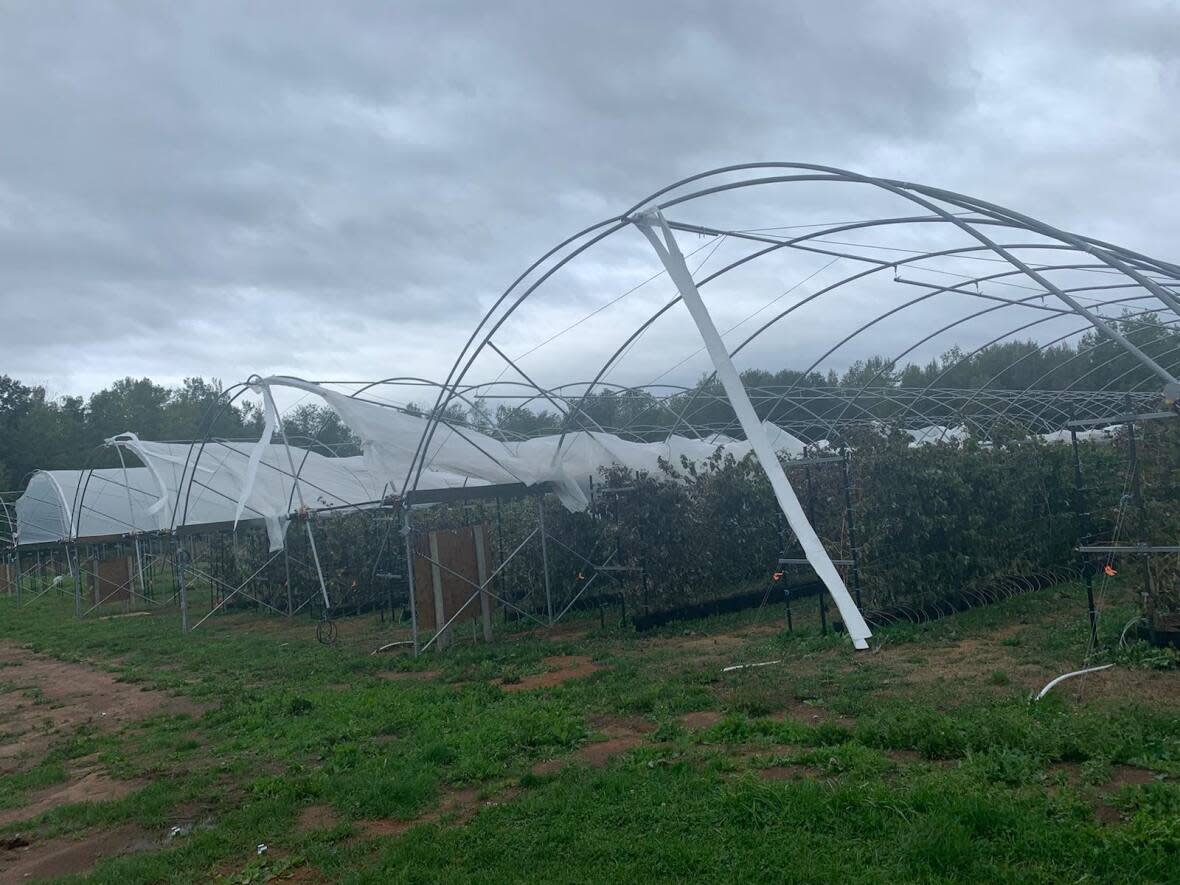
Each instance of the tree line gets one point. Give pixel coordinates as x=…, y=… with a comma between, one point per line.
x=40, y=432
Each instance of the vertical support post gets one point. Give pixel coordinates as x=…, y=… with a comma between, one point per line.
x=545, y=557
x=181, y=588
x=440, y=607
x=673, y=260
x=315, y=558
x=269, y=403
x=782, y=554
x=823, y=605
x=287, y=572
x=409, y=536
x=851, y=531
x=481, y=571
x=1082, y=523
x=77, y=569
x=149, y=567
x=40, y=573
x=1140, y=521
x=19, y=577
x=139, y=565
x=502, y=578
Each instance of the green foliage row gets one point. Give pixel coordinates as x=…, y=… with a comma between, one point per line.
x=928, y=521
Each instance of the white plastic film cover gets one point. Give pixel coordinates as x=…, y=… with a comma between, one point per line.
x=207, y=484
x=462, y=456
x=60, y=505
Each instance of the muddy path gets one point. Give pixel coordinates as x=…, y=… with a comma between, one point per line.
x=43, y=702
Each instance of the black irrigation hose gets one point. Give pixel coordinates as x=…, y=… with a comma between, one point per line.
x=741, y=602
x=999, y=589
x=912, y=611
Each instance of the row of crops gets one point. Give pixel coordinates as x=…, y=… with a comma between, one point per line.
x=928, y=523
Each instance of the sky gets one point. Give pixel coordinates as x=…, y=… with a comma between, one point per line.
x=339, y=190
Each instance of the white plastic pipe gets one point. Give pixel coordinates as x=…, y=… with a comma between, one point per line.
x=817, y=556
x=733, y=667
x=1064, y=676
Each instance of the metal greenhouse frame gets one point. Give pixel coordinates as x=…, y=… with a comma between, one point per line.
x=935, y=267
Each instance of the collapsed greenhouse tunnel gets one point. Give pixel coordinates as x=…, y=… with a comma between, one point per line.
x=1076, y=282
x=1085, y=276
x=765, y=563
x=529, y=569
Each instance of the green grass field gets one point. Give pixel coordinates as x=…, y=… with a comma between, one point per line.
x=596, y=754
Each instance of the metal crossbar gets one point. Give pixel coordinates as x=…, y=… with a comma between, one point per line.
x=238, y=590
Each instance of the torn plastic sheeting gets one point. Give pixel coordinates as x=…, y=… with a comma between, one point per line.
x=462, y=456
x=206, y=484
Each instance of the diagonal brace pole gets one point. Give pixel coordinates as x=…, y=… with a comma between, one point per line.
x=673, y=260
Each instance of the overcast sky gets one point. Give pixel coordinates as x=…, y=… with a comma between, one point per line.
x=334, y=189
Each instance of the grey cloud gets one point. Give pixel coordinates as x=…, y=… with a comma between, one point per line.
x=223, y=189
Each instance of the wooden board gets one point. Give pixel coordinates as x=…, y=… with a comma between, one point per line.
x=8, y=577
x=456, y=550
x=112, y=580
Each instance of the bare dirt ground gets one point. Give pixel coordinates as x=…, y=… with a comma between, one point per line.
x=65, y=856
x=969, y=661
x=622, y=733
x=43, y=701
x=456, y=806
x=317, y=817
x=43, y=696
x=700, y=720
x=562, y=668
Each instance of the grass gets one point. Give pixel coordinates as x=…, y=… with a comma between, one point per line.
x=923, y=761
